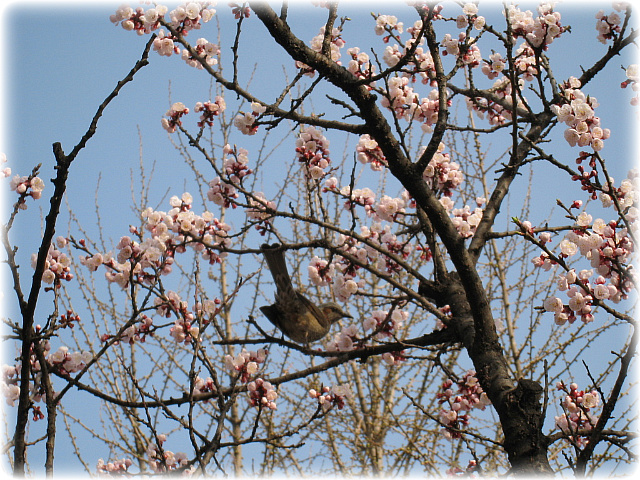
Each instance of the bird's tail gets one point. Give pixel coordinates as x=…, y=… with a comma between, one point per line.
x=274, y=255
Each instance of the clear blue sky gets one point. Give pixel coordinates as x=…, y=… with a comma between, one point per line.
x=62, y=59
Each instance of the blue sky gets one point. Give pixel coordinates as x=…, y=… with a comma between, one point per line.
x=61, y=60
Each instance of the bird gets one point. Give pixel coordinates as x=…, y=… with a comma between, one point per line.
x=294, y=314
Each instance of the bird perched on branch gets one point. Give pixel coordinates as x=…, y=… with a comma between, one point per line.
x=293, y=313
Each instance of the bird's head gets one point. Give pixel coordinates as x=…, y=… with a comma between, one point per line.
x=333, y=312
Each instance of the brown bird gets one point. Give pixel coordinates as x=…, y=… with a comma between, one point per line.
x=293, y=313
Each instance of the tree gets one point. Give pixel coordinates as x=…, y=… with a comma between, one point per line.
x=452, y=361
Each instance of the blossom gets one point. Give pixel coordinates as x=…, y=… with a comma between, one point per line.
x=205, y=50
x=456, y=406
x=175, y=113
x=329, y=396
x=312, y=150
x=386, y=23
x=369, y=152
x=553, y=304
x=568, y=248
x=69, y=362
x=57, y=266
x=259, y=207
x=578, y=419
x=335, y=44
x=262, y=394
x=385, y=323
x=246, y=363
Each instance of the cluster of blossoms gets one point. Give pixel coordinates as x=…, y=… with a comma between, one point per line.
x=369, y=152
x=222, y=193
x=427, y=111
x=495, y=66
x=162, y=460
x=363, y=197
x=181, y=227
x=133, y=333
x=406, y=104
x=312, y=150
x=577, y=419
x=159, y=459
x=497, y=111
x=539, y=31
x=578, y=114
x=469, y=395
x=246, y=364
x=389, y=208
x=329, y=396
x=387, y=24
x=388, y=241
x=340, y=273
x=421, y=65
x=57, y=266
x=627, y=195
x=608, y=247
x=185, y=328
x=174, y=115
x=25, y=186
x=201, y=386
x=462, y=48
x=608, y=26
x=67, y=362
x=321, y=272
x=335, y=44
x=444, y=176
x=204, y=50
x=360, y=64
x=385, y=323
x=67, y=319
x=164, y=45
x=470, y=16
x=400, y=98
x=245, y=122
x=259, y=211
x=61, y=360
x=633, y=78
x=240, y=11
x=525, y=62
x=262, y=394
x=235, y=165
x=10, y=384
x=210, y=110
x=138, y=20
x=386, y=209
x=171, y=233
x=441, y=174
x=345, y=340
x=114, y=467
x=464, y=219
x=472, y=467
x=6, y=172
x=184, y=18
